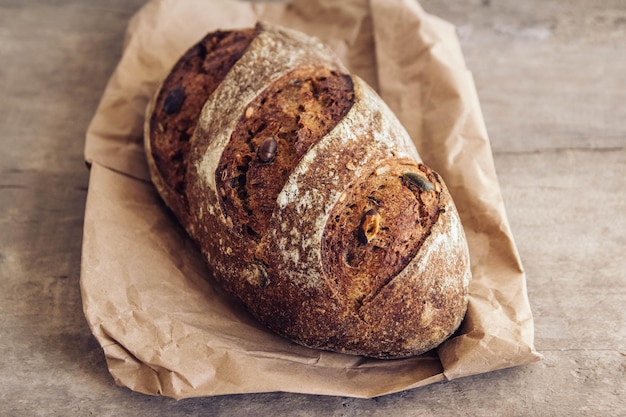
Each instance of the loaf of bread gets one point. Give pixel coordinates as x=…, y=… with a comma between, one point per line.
x=306, y=195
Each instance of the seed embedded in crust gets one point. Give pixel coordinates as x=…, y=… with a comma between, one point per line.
x=174, y=100
x=374, y=200
x=267, y=150
x=262, y=275
x=369, y=226
x=419, y=181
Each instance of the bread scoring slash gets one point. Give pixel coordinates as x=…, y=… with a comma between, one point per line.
x=306, y=196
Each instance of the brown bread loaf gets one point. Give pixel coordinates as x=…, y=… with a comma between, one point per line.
x=306, y=195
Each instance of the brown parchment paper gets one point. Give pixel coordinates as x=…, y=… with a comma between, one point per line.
x=166, y=328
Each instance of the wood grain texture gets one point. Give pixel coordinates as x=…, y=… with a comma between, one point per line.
x=550, y=77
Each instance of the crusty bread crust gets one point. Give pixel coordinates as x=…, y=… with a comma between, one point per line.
x=358, y=198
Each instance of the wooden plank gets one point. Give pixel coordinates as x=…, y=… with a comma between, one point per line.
x=549, y=74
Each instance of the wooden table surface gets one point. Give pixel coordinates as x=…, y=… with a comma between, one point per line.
x=551, y=77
